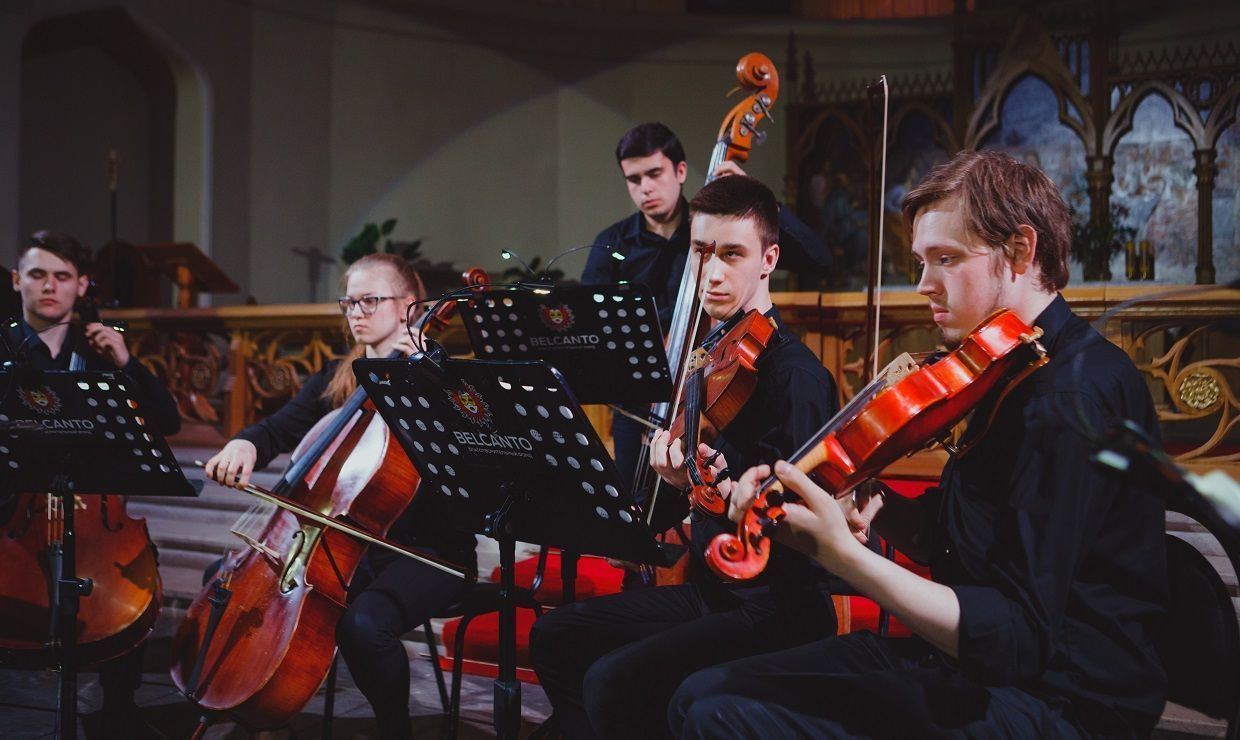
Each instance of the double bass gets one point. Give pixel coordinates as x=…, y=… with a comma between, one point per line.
x=260, y=638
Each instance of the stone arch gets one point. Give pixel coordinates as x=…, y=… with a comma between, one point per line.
x=174, y=160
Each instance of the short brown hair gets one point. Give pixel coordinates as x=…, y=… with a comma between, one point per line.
x=63, y=246
x=997, y=195
x=739, y=197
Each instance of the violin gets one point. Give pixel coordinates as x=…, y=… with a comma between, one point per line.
x=902, y=410
x=738, y=134
x=259, y=640
x=719, y=383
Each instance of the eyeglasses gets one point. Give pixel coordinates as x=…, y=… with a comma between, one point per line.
x=369, y=304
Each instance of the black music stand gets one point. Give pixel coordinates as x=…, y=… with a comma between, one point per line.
x=75, y=434
x=605, y=339
x=508, y=444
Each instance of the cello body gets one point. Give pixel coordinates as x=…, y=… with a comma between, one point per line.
x=275, y=638
x=113, y=549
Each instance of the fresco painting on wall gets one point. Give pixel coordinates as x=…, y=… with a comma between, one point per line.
x=1227, y=206
x=833, y=200
x=1154, y=182
x=834, y=197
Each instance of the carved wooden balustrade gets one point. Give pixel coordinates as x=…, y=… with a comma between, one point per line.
x=229, y=366
x=232, y=365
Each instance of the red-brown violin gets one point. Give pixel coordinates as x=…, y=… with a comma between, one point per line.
x=897, y=414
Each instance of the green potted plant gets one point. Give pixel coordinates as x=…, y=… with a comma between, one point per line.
x=367, y=242
x=1094, y=244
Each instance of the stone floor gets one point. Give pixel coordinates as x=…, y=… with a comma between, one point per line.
x=28, y=700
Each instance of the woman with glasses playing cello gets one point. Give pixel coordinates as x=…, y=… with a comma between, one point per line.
x=389, y=595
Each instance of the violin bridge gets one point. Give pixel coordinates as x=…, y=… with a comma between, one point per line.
x=271, y=555
x=698, y=360
x=899, y=368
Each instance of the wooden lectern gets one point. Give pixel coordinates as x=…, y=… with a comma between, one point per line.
x=191, y=270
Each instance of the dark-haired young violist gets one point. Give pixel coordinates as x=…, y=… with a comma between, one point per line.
x=1049, y=579
x=610, y=664
x=654, y=241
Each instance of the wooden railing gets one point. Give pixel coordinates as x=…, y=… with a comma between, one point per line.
x=229, y=366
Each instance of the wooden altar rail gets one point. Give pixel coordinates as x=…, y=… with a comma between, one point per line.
x=228, y=366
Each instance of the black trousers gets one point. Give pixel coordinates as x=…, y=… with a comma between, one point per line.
x=610, y=665
x=389, y=596
x=856, y=685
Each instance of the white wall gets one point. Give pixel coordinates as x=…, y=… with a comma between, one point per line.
x=480, y=126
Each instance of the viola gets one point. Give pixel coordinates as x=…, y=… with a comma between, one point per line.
x=719, y=383
x=738, y=133
x=259, y=640
x=895, y=415
x=114, y=551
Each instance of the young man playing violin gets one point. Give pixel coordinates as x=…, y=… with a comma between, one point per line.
x=389, y=595
x=52, y=274
x=655, y=244
x=1049, y=579
x=609, y=665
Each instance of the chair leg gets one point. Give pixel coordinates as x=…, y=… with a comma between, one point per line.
x=433, y=646
x=329, y=700
x=458, y=655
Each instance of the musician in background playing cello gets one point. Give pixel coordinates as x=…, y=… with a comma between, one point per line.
x=610, y=664
x=52, y=274
x=655, y=245
x=389, y=595
x=1050, y=579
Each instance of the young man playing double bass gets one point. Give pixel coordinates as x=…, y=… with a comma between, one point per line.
x=609, y=665
x=1049, y=578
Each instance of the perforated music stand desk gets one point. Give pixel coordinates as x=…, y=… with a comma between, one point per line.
x=605, y=339
x=508, y=445
x=76, y=434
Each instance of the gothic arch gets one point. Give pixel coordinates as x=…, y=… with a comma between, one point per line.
x=1030, y=51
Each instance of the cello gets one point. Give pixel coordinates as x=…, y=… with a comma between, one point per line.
x=114, y=552
x=259, y=640
x=118, y=558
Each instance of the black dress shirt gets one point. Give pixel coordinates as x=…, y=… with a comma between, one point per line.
x=22, y=345
x=795, y=396
x=421, y=524
x=1060, y=571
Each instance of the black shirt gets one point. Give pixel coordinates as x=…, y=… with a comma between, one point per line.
x=22, y=345
x=659, y=263
x=419, y=525
x=795, y=396
x=1060, y=571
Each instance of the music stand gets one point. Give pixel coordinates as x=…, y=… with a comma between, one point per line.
x=508, y=444
x=605, y=339
x=75, y=434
